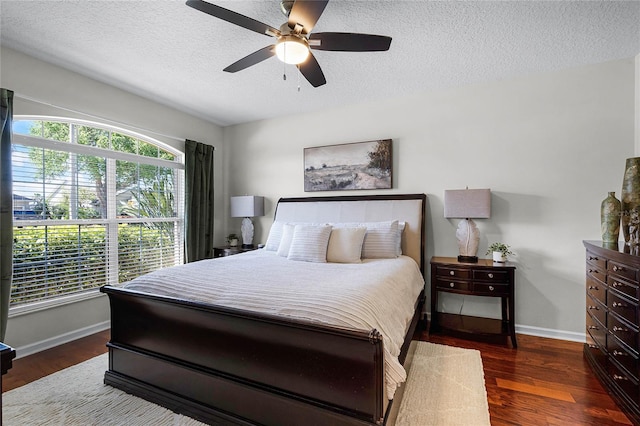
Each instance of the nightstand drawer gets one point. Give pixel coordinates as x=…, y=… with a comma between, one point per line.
x=494, y=276
x=443, y=271
x=491, y=289
x=453, y=285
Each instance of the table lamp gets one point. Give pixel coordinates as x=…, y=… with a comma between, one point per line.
x=247, y=206
x=467, y=204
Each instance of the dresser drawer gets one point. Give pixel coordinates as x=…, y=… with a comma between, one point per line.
x=443, y=271
x=627, y=359
x=622, y=270
x=624, y=381
x=493, y=276
x=597, y=290
x=596, y=274
x=623, y=332
x=622, y=307
x=452, y=285
x=596, y=310
x=597, y=331
x=596, y=260
x=491, y=289
x=623, y=286
x=597, y=351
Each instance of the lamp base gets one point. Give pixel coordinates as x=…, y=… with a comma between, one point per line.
x=468, y=259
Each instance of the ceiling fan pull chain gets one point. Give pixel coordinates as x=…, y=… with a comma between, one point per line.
x=284, y=65
x=298, y=79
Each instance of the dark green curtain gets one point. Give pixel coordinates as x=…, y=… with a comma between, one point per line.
x=6, y=208
x=198, y=167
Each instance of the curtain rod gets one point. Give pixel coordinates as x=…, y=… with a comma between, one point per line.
x=97, y=117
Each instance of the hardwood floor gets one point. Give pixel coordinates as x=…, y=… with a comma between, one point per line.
x=543, y=382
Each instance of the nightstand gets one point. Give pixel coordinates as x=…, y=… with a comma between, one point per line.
x=230, y=251
x=484, y=278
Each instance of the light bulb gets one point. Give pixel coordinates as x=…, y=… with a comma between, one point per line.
x=292, y=49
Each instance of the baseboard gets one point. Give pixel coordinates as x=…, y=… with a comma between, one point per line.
x=51, y=342
x=87, y=331
x=550, y=333
x=571, y=336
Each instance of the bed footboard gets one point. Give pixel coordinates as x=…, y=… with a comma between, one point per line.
x=232, y=366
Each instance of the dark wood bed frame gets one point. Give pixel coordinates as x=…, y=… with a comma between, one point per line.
x=229, y=366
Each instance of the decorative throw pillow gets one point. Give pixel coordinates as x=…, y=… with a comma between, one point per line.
x=285, y=241
x=309, y=243
x=275, y=235
x=345, y=245
x=381, y=241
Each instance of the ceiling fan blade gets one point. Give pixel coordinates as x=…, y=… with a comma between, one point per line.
x=252, y=59
x=233, y=17
x=349, y=42
x=312, y=71
x=306, y=13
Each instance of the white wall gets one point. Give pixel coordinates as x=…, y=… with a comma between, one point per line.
x=50, y=85
x=549, y=146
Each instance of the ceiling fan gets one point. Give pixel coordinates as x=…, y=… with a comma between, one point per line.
x=294, y=40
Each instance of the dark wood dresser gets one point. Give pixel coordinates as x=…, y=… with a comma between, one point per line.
x=612, y=346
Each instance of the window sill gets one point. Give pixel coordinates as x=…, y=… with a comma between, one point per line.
x=53, y=303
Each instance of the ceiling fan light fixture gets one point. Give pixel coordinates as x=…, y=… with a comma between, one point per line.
x=292, y=49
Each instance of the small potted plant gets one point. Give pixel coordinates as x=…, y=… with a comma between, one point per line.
x=500, y=252
x=232, y=240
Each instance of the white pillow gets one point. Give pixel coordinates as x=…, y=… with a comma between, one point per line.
x=381, y=241
x=401, y=226
x=345, y=245
x=275, y=235
x=285, y=241
x=309, y=243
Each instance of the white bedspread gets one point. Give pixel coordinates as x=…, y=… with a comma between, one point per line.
x=377, y=293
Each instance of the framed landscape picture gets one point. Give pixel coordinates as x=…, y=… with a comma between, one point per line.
x=360, y=165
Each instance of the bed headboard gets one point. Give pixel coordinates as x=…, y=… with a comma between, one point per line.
x=409, y=208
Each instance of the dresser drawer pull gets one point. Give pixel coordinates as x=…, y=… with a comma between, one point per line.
x=591, y=270
x=452, y=285
x=616, y=284
x=616, y=377
x=490, y=275
x=593, y=258
x=593, y=327
x=617, y=268
x=593, y=307
x=616, y=328
x=491, y=288
x=592, y=346
x=618, y=353
x=618, y=305
x=594, y=287
x=451, y=273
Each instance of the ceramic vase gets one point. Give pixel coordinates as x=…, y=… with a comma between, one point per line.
x=610, y=218
x=630, y=195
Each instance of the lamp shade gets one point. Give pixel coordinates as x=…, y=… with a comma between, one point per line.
x=467, y=203
x=247, y=206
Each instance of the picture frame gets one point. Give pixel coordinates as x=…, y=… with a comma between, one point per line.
x=349, y=166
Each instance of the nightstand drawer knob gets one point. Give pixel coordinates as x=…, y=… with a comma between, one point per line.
x=452, y=285
x=491, y=288
x=451, y=273
x=490, y=275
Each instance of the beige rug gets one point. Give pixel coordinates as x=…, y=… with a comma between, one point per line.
x=445, y=387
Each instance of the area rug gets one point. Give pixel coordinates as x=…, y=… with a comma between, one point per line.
x=445, y=387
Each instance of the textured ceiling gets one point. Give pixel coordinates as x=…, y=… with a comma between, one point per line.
x=173, y=54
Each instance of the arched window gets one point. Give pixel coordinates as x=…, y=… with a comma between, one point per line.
x=93, y=205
